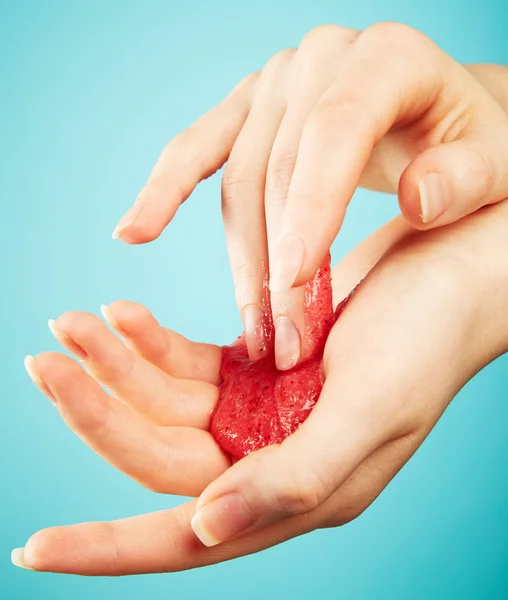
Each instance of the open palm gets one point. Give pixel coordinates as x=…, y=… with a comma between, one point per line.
x=385, y=388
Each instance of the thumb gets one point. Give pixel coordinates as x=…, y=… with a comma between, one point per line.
x=292, y=478
x=449, y=181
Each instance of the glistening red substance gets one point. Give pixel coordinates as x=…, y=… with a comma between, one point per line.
x=259, y=405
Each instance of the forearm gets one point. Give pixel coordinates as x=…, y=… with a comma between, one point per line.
x=494, y=79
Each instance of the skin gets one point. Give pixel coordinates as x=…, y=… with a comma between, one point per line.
x=384, y=108
x=430, y=313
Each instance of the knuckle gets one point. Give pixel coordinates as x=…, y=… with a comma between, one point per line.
x=340, y=109
x=243, y=272
x=388, y=36
x=280, y=60
x=303, y=495
x=279, y=173
x=247, y=82
x=182, y=142
x=325, y=35
x=482, y=169
x=97, y=420
x=114, y=374
x=238, y=183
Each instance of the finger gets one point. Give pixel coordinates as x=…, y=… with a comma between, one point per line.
x=451, y=180
x=174, y=460
x=189, y=158
x=243, y=204
x=162, y=347
x=165, y=542
x=163, y=399
x=315, y=63
x=152, y=543
x=351, y=117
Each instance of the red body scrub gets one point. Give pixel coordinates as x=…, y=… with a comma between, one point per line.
x=259, y=405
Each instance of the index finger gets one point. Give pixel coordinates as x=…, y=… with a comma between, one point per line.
x=190, y=157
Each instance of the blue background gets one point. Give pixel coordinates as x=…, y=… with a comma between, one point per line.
x=90, y=93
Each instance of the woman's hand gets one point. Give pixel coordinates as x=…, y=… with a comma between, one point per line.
x=383, y=108
x=431, y=311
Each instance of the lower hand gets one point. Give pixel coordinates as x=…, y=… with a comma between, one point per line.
x=430, y=313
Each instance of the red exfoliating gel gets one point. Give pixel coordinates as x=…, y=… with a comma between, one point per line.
x=259, y=405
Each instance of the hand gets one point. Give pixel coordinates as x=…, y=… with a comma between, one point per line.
x=384, y=108
x=431, y=312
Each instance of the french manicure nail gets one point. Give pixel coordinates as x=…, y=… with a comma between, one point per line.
x=18, y=559
x=66, y=340
x=254, y=332
x=36, y=379
x=128, y=219
x=287, y=344
x=287, y=263
x=221, y=519
x=107, y=317
x=434, y=197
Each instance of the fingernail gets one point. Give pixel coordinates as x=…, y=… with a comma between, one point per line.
x=18, y=559
x=434, y=196
x=287, y=263
x=287, y=344
x=254, y=331
x=66, y=340
x=221, y=520
x=128, y=219
x=107, y=317
x=36, y=378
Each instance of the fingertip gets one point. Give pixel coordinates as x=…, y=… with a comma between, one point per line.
x=126, y=315
x=137, y=234
x=53, y=367
x=36, y=555
x=18, y=559
x=128, y=220
x=36, y=374
x=146, y=220
x=63, y=328
x=108, y=317
x=46, y=551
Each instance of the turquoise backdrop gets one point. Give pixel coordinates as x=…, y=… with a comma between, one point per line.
x=90, y=92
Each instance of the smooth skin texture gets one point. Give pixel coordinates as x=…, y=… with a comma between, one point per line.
x=384, y=108
x=431, y=312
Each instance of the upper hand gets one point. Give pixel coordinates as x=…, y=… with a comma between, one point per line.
x=383, y=108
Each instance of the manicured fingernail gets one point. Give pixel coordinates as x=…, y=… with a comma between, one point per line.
x=287, y=263
x=108, y=318
x=287, y=344
x=221, y=520
x=254, y=332
x=434, y=196
x=18, y=559
x=66, y=340
x=128, y=219
x=36, y=378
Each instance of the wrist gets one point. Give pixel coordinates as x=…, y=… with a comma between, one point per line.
x=485, y=249
x=494, y=78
